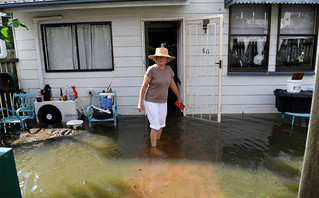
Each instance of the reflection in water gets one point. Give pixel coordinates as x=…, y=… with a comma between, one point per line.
x=251, y=156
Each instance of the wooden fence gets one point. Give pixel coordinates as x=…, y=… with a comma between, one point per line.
x=8, y=65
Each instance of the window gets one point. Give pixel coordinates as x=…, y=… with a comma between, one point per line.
x=296, y=38
x=249, y=33
x=78, y=47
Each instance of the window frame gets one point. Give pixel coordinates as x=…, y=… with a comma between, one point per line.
x=45, y=50
x=265, y=69
x=315, y=36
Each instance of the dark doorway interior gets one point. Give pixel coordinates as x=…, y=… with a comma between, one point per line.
x=164, y=32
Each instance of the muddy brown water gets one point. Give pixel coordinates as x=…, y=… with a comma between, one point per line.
x=244, y=156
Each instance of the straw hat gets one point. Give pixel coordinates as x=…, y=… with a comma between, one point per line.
x=161, y=51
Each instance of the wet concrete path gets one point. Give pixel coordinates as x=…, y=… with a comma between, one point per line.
x=244, y=156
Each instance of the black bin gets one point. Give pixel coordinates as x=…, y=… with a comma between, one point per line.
x=293, y=102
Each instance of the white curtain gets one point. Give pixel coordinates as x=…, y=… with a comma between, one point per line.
x=260, y=48
x=94, y=43
x=61, y=50
x=252, y=19
x=101, y=47
x=84, y=43
x=298, y=19
x=94, y=47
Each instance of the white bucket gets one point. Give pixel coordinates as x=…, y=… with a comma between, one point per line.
x=294, y=86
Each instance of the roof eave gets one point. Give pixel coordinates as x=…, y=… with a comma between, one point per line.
x=45, y=3
x=84, y=4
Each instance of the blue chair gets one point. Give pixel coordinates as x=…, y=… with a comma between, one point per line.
x=96, y=105
x=22, y=110
x=305, y=115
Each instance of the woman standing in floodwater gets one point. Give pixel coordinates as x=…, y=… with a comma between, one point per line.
x=157, y=79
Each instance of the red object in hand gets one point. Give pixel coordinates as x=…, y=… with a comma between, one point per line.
x=180, y=105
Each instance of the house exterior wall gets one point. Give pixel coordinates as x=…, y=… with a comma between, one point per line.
x=242, y=93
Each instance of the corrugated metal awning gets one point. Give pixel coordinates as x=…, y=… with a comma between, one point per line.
x=232, y=2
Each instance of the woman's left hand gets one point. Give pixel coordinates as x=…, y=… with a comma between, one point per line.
x=180, y=100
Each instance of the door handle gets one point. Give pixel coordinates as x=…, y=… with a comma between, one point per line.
x=219, y=63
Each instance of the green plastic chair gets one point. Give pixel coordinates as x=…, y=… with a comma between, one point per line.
x=22, y=110
x=96, y=105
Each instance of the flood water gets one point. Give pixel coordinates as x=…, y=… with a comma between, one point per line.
x=244, y=156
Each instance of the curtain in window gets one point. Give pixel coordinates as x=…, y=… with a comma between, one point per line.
x=61, y=48
x=297, y=19
x=248, y=51
x=79, y=47
x=249, y=19
x=84, y=43
x=296, y=41
x=295, y=52
x=249, y=38
x=94, y=46
x=101, y=47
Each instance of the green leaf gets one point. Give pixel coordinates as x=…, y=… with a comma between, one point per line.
x=4, y=32
x=7, y=40
x=16, y=22
x=24, y=26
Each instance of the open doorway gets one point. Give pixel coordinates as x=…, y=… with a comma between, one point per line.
x=166, y=33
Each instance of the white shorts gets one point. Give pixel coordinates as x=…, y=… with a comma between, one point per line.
x=156, y=114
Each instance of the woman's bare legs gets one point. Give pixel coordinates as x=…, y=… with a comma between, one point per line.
x=154, y=137
x=159, y=133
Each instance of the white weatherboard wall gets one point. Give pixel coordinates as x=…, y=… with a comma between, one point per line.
x=249, y=94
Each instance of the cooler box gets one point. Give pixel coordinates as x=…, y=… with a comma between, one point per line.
x=106, y=100
x=9, y=182
x=293, y=102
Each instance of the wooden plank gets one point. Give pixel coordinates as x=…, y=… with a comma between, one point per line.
x=27, y=44
x=27, y=55
x=9, y=60
x=28, y=64
x=92, y=82
x=127, y=41
x=249, y=100
x=249, y=108
x=120, y=72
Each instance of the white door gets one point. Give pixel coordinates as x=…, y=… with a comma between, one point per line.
x=203, y=67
